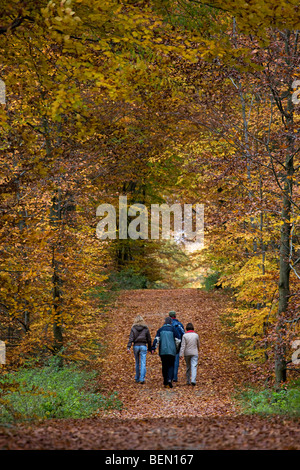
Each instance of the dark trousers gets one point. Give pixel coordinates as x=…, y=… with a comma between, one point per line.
x=167, y=363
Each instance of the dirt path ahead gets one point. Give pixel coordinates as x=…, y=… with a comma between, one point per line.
x=219, y=371
x=203, y=417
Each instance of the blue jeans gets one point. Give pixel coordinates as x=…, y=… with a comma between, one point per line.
x=140, y=353
x=176, y=366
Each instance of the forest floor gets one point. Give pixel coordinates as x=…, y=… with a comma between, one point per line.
x=204, y=417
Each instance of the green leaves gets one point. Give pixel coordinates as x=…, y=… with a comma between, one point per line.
x=50, y=393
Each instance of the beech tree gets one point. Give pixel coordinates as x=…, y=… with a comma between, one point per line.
x=163, y=101
x=250, y=116
x=82, y=79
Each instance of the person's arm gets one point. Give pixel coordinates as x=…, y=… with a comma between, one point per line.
x=131, y=338
x=177, y=338
x=182, y=348
x=156, y=340
x=148, y=336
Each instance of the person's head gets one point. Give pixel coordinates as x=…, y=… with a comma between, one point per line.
x=189, y=326
x=139, y=320
x=172, y=314
x=168, y=321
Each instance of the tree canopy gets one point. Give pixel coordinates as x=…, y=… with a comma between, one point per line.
x=163, y=101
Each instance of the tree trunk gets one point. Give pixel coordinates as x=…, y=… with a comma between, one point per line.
x=285, y=235
x=57, y=323
x=55, y=219
x=284, y=272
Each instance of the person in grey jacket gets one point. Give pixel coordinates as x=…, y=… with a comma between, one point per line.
x=167, y=340
x=140, y=337
x=190, y=345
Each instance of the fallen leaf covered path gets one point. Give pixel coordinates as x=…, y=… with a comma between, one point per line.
x=204, y=417
x=219, y=371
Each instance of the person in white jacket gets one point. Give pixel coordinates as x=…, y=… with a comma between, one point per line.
x=190, y=345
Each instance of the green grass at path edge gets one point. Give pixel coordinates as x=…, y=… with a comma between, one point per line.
x=44, y=393
x=268, y=401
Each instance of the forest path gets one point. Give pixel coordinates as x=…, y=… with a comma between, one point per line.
x=219, y=370
x=204, y=417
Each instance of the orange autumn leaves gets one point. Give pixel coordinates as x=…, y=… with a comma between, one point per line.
x=220, y=372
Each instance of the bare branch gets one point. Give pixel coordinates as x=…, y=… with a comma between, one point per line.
x=15, y=24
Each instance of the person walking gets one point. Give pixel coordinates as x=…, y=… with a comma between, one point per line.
x=189, y=348
x=167, y=340
x=180, y=331
x=140, y=337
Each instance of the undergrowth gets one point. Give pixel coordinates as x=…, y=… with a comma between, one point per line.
x=49, y=392
x=268, y=401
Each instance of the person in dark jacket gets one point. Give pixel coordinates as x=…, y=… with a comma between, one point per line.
x=167, y=340
x=140, y=337
x=180, y=330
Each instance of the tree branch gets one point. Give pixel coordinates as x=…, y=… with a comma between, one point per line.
x=15, y=24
